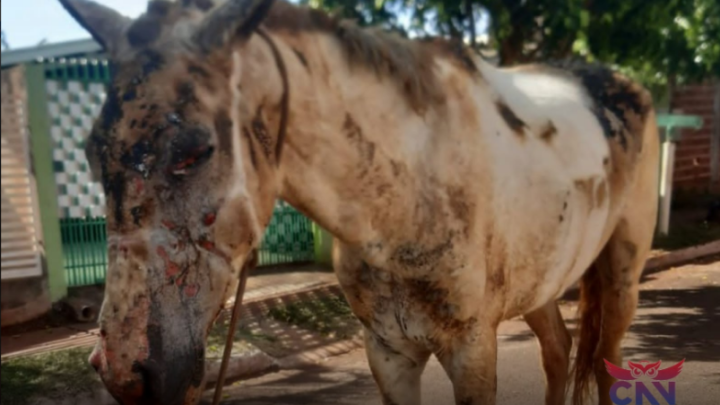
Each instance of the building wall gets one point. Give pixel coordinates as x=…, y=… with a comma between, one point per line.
x=697, y=149
x=26, y=298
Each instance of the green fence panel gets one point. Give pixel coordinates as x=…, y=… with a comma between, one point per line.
x=85, y=250
x=288, y=239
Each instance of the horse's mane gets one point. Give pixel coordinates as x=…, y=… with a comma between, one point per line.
x=409, y=63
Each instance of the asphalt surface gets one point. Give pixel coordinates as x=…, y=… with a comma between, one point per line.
x=678, y=318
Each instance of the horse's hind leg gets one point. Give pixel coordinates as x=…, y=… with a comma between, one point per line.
x=555, y=344
x=620, y=267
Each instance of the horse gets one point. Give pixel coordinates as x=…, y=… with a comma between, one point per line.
x=460, y=194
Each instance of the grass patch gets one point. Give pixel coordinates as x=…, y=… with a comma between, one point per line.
x=243, y=339
x=327, y=315
x=52, y=375
x=687, y=234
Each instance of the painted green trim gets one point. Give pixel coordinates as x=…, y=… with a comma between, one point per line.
x=669, y=122
x=323, y=242
x=41, y=146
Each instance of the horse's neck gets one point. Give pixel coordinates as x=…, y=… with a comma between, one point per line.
x=354, y=147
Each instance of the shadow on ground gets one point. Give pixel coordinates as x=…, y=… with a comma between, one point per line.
x=670, y=325
x=678, y=324
x=318, y=386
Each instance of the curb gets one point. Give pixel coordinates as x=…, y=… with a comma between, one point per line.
x=682, y=256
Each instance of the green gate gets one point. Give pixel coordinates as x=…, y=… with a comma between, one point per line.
x=288, y=239
x=76, y=89
x=84, y=242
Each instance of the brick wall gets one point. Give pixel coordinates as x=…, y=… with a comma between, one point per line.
x=695, y=150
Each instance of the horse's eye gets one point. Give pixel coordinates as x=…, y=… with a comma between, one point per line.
x=189, y=149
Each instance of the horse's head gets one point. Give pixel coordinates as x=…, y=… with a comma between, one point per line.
x=186, y=155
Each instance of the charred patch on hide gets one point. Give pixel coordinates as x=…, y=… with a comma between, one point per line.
x=151, y=61
x=397, y=168
x=365, y=148
x=497, y=278
x=456, y=51
x=301, y=58
x=409, y=64
x=202, y=76
x=185, y=93
x=190, y=148
x=630, y=249
x=435, y=303
x=585, y=187
x=130, y=94
x=412, y=255
x=251, y=147
x=139, y=252
x=224, y=130
x=112, y=111
x=140, y=158
x=625, y=100
x=548, y=132
x=511, y=119
x=198, y=71
x=116, y=189
x=461, y=207
x=141, y=212
x=260, y=131
x=600, y=193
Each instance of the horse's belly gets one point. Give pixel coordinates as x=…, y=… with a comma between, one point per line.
x=554, y=253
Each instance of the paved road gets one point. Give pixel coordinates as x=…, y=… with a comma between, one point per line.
x=679, y=317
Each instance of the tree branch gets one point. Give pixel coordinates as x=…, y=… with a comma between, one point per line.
x=470, y=16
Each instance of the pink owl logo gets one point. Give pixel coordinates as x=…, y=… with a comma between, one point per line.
x=639, y=370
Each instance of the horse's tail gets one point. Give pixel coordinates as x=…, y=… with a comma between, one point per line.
x=590, y=309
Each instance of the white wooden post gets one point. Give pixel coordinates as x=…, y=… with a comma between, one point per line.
x=669, y=123
x=666, y=184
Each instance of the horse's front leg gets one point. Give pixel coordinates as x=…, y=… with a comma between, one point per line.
x=396, y=363
x=396, y=369
x=471, y=363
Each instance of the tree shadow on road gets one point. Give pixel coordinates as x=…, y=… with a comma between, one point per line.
x=315, y=385
x=678, y=324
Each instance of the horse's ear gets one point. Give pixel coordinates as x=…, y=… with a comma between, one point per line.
x=104, y=24
x=231, y=21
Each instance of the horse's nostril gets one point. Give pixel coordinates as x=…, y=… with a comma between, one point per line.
x=95, y=360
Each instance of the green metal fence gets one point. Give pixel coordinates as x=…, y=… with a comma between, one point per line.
x=75, y=88
x=84, y=243
x=288, y=239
